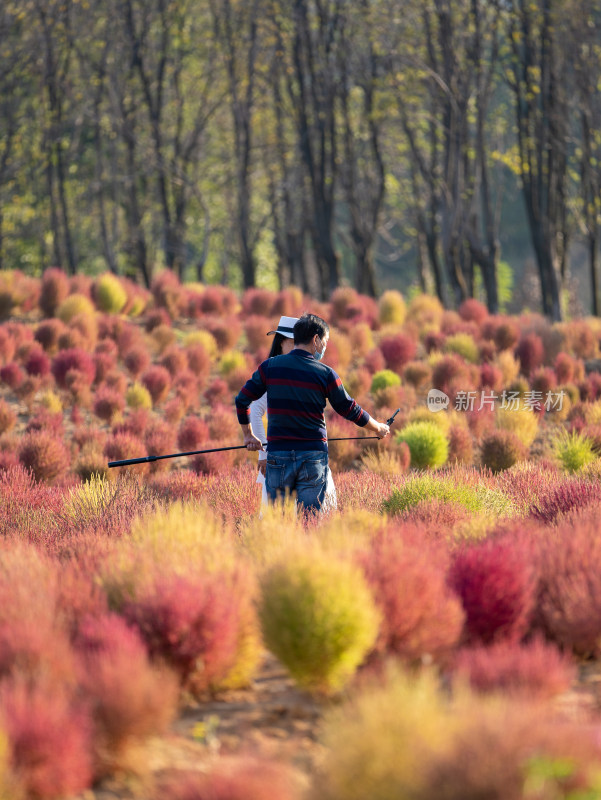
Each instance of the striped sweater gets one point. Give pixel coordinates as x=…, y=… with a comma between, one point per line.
x=297, y=388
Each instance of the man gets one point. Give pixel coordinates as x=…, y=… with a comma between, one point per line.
x=297, y=387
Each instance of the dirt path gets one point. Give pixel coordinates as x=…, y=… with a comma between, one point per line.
x=273, y=719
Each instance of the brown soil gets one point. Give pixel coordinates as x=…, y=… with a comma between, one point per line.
x=272, y=719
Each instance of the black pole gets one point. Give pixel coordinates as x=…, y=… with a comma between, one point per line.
x=145, y=459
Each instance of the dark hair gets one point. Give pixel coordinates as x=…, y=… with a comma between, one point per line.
x=276, y=346
x=307, y=327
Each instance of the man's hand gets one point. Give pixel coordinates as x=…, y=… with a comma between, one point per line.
x=381, y=429
x=250, y=440
x=262, y=467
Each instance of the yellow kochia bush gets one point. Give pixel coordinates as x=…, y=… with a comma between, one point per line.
x=318, y=617
x=391, y=308
x=521, y=420
x=110, y=293
x=73, y=306
x=405, y=739
x=138, y=396
x=379, y=745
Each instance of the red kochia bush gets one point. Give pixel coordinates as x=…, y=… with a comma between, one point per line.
x=30, y=648
x=187, y=622
x=504, y=331
x=231, y=779
x=199, y=361
x=565, y=368
x=48, y=333
x=37, y=362
x=104, y=363
x=46, y=421
x=48, y=740
x=76, y=360
x=255, y=328
x=129, y=698
x=44, y=455
x=218, y=300
x=530, y=352
x=451, y=369
x=185, y=387
x=193, y=432
x=420, y=616
x=156, y=318
x=175, y=360
x=233, y=493
x=436, y=517
x=108, y=403
x=217, y=392
x=568, y=608
x=54, y=289
x=223, y=425
x=213, y=463
x=434, y=341
x=496, y=582
x=537, y=669
x=374, y=361
x=159, y=439
x=581, y=338
x=137, y=359
x=225, y=331
x=397, y=351
x=491, y=377
x=473, y=310
x=26, y=507
x=158, y=382
x=135, y=423
x=561, y=497
x=258, y=302
x=12, y=375
x=461, y=447
x=121, y=446
x=181, y=484
x=368, y=493
x=168, y=292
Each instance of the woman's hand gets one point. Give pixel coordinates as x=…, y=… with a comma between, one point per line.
x=262, y=467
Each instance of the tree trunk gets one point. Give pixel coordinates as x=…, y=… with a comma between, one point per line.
x=593, y=254
x=137, y=241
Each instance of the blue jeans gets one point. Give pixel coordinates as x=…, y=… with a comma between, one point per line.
x=303, y=472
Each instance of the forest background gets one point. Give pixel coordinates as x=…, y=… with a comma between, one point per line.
x=449, y=146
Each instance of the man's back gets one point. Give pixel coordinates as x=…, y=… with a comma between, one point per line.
x=297, y=389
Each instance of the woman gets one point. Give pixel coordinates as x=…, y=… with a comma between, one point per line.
x=283, y=343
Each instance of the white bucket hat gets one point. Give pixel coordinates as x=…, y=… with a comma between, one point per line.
x=285, y=327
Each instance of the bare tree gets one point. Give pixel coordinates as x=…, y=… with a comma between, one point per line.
x=52, y=20
x=539, y=73
x=313, y=88
x=160, y=46
x=585, y=49
x=363, y=172
x=237, y=31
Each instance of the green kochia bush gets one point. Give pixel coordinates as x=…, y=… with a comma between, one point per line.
x=384, y=379
x=427, y=444
x=319, y=618
x=447, y=488
x=574, y=451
